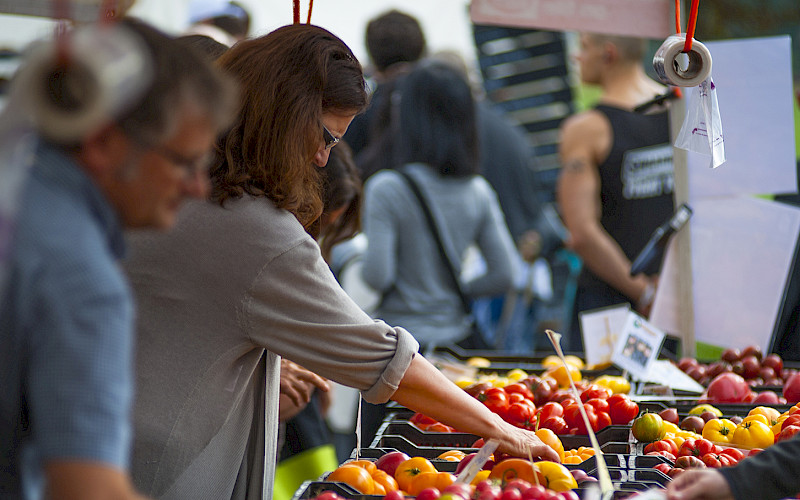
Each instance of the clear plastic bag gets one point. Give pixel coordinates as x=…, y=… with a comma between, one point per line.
x=702, y=128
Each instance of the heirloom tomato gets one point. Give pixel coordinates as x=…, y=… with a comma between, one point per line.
x=495, y=399
x=513, y=468
x=550, y=409
x=555, y=476
x=357, y=477
x=549, y=438
x=648, y=427
x=555, y=424
x=621, y=409
x=695, y=448
x=411, y=468
x=753, y=434
x=518, y=388
x=719, y=430
x=423, y=480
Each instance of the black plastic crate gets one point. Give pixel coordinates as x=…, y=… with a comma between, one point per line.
x=426, y=438
x=621, y=461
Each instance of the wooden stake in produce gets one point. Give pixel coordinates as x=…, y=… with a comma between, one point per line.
x=603, y=477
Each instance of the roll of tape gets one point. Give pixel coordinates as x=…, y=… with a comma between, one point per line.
x=670, y=69
x=107, y=70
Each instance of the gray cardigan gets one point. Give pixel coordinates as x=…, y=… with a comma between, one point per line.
x=402, y=260
x=221, y=297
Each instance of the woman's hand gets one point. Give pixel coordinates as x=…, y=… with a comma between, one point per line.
x=298, y=384
x=705, y=484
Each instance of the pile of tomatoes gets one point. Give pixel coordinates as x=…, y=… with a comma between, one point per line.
x=417, y=476
x=517, y=404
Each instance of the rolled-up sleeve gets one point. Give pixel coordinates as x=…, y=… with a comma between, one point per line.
x=296, y=308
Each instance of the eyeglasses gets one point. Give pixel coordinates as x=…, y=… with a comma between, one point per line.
x=330, y=140
x=189, y=166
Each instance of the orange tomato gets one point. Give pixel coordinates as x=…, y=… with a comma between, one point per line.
x=560, y=375
x=364, y=464
x=355, y=476
x=452, y=456
x=411, y=468
x=550, y=438
x=423, y=480
x=513, y=468
x=383, y=479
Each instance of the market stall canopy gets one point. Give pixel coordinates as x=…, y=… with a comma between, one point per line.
x=83, y=11
x=639, y=18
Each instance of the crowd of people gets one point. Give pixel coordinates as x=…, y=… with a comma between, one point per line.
x=172, y=314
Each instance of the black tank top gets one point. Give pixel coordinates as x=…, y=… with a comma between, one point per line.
x=636, y=182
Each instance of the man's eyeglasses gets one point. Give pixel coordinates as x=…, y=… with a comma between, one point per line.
x=189, y=166
x=330, y=140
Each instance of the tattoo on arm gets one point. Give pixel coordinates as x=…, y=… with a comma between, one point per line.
x=576, y=165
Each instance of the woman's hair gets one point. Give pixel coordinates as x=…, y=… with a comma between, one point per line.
x=341, y=188
x=437, y=120
x=288, y=77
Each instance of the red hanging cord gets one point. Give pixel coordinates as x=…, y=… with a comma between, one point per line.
x=677, y=16
x=310, y=6
x=108, y=12
x=61, y=10
x=687, y=47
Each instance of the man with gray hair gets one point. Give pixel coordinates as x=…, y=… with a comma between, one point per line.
x=67, y=312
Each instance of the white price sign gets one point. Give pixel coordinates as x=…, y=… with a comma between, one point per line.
x=600, y=329
x=638, y=346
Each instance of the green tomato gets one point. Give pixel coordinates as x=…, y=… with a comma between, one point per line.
x=648, y=427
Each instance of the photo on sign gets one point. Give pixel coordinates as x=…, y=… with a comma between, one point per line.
x=638, y=346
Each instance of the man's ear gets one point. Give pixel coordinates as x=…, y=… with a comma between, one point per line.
x=104, y=150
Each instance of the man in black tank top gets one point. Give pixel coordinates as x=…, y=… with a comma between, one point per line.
x=616, y=179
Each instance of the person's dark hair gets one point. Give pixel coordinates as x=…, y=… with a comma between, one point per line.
x=289, y=78
x=181, y=77
x=380, y=151
x=437, y=120
x=237, y=23
x=341, y=188
x=394, y=37
x=207, y=46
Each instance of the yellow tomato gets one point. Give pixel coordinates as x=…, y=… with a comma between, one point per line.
x=479, y=362
x=770, y=413
x=516, y=375
x=670, y=428
x=618, y=385
x=452, y=456
x=559, y=374
x=757, y=418
x=464, y=382
x=719, y=430
x=481, y=476
x=753, y=434
x=555, y=476
x=776, y=429
x=699, y=409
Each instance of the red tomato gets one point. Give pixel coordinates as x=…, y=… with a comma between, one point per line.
x=711, y=460
x=666, y=454
x=621, y=409
x=603, y=420
x=555, y=424
x=734, y=453
x=600, y=405
x=728, y=387
x=550, y=409
x=495, y=399
x=518, y=388
x=695, y=447
x=663, y=468
x=792, y=419
x=520, y=414
x=574, y=419
x=787, y=432
x=663, y=445
x=791, y=388
x=421, y=420
x=595, y=392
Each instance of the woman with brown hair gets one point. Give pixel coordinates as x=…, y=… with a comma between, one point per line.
x=239, y=284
